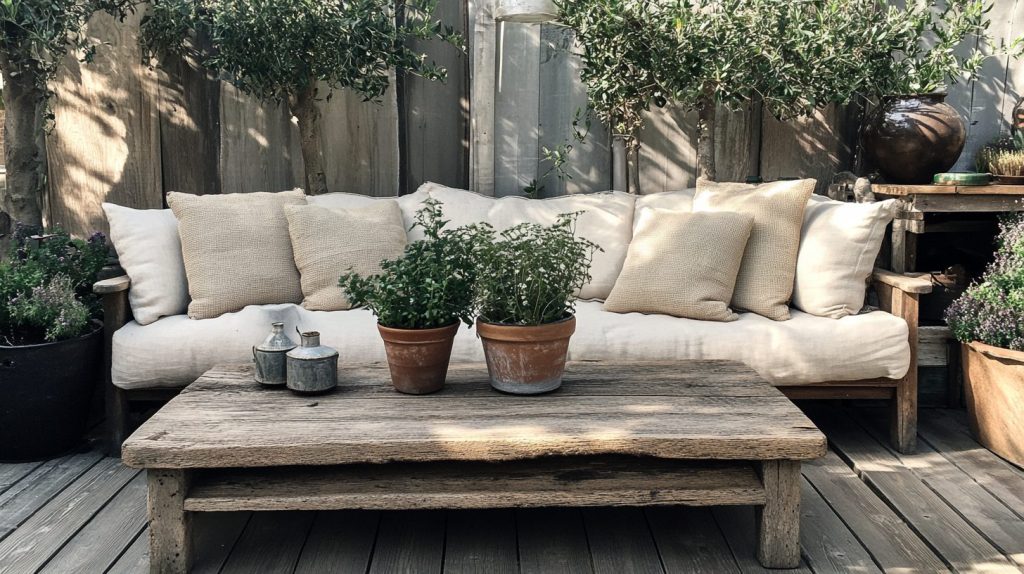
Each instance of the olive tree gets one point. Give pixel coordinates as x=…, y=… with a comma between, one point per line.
x=792, y=57
x=287, y=50
x=35, y=37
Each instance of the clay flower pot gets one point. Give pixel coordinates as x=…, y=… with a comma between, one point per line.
x=912, y=138
x=526, y=360
x=418, y=358
x=994, y=390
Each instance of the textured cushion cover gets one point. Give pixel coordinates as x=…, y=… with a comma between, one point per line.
x=149, y=250
x=607, y=221
x=838, y=247
x=237, y=250
x=765, y=282
x=674, y=200
x=409, y=204
x=682, y=264
x=329, y=242
x=174, y=351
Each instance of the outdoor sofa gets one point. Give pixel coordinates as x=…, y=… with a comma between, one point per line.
x=869, y=354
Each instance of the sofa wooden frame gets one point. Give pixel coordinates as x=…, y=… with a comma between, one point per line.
x=898, y=294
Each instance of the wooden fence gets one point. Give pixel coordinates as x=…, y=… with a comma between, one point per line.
x=127, y=133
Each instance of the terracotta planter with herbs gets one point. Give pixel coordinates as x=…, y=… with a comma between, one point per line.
x=526, y=360
x=994, y=391
x=418, y=358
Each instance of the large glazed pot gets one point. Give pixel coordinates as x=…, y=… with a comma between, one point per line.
x=45, y=395
x=418, y=358
x=994, y=389
x=526, y=360
x=911, y=138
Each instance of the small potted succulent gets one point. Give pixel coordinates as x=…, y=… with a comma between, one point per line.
x=420, y=299
x=988, y=319
x=1004, y=159
x=527, y=280
x=50, y=341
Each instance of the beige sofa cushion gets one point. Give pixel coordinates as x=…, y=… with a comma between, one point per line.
x=174, y=351
x=838, y=247
x=409, y=204
x=765, y=282
x=607, y=220
x=236, y=249
x=672, y=200
x=149, y=250
x=329, y=242
x=682, y=264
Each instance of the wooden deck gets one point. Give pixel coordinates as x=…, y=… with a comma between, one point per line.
x=952, y=506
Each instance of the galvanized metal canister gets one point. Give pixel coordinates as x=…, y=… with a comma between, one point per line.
x=270, y=357
x=312, y=367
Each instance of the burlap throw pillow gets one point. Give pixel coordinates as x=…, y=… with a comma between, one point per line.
x=765, y=282
x=329, y=242
x=237, y=250
x=682, y=264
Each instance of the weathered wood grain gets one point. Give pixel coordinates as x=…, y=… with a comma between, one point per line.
x=360, y=142
x=259, y=149
x=908, y=283
x=738, y=525
x=482, y=76
x=345, y=427
x=827, y=544
x=135, y=558
x=621, y=542
x=738, y=143
x=215, y=536
x=552, y=541
x=22, y=499
x=481, y=541
x=689, y=540
x=339, y=542
x=410, y=542
x=778, y=532
x=11, y=473
x=545, y=482
x=516, y=107
x=668, y=154
x=899, y=190
x=818, y=146
x=170, y=527
x=270, y=543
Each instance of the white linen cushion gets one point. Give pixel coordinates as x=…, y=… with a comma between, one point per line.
x=409, y=204
x=671, y=200
x=607, y=220
x=838, y=246
x=149, y=249
x=174, y=351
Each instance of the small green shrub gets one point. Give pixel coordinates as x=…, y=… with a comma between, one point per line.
x=431, y=285
x=530, y=274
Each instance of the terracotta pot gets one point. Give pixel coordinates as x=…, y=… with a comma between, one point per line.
x=994, y=390
x=911, y=138
x=418, y=358
x=526, y=360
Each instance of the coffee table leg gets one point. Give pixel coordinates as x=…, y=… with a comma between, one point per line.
x=778, y=543
x=170, y=526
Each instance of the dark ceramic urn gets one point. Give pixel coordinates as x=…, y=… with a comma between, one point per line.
x=911, y=138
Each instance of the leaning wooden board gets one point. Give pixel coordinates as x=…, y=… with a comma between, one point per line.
x=617, y=433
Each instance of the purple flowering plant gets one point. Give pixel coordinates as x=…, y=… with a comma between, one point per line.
x=992, y=310
x=46, y=286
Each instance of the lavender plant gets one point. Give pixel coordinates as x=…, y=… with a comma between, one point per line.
x=992, y=310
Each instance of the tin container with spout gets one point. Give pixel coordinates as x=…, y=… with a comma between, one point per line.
x=312, y=367
x=270, y=357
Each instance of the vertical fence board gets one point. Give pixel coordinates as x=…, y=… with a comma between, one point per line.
x=105, y=145
x=668, y=153
x=815, y=146
x=483, y=39
x=516, y=104
x=259, y=148
x=738, y=143
x=360, y=143
x=1014, y=82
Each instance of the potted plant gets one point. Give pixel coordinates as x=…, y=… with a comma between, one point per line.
x=1004, y=159
x=420, y=298
x=989, y=320
x=50, y=342
x=527, y=280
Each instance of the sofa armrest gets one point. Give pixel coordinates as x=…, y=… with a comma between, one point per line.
x=918, y=283
x=112, y=285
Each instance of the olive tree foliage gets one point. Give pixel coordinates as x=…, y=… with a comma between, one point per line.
x=36, y=37
x=286, y=50
x=793, y=56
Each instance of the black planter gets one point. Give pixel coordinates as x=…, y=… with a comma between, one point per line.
x=912, y=138
x=45, y=395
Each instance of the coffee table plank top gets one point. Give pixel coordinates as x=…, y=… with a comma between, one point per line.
x=676, y=410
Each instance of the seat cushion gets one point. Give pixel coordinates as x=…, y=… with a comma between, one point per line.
x=174, y=351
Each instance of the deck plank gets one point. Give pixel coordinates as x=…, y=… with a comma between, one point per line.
x=620, y=541
x=29, y=494
x=216, y=534
x=892, y=542
x=552, y=541
x=135, y=559
x=339, y=541
x=42, y=535
x=481, y=541
x=827, y=544
x=11, y=473
x=409, y=542
x=738, y=525
x=98, y=544
x=270, y=543
x=689, y=540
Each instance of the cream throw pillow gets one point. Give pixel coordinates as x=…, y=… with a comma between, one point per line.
x=765, y=282
x=330, y=242
x=682, y=264
x=237, y=250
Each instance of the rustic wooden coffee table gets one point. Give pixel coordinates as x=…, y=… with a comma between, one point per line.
x=616, y=434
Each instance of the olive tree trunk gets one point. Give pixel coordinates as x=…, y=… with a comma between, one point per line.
x=706, y=140
x=303, y=106
x=25, y=147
